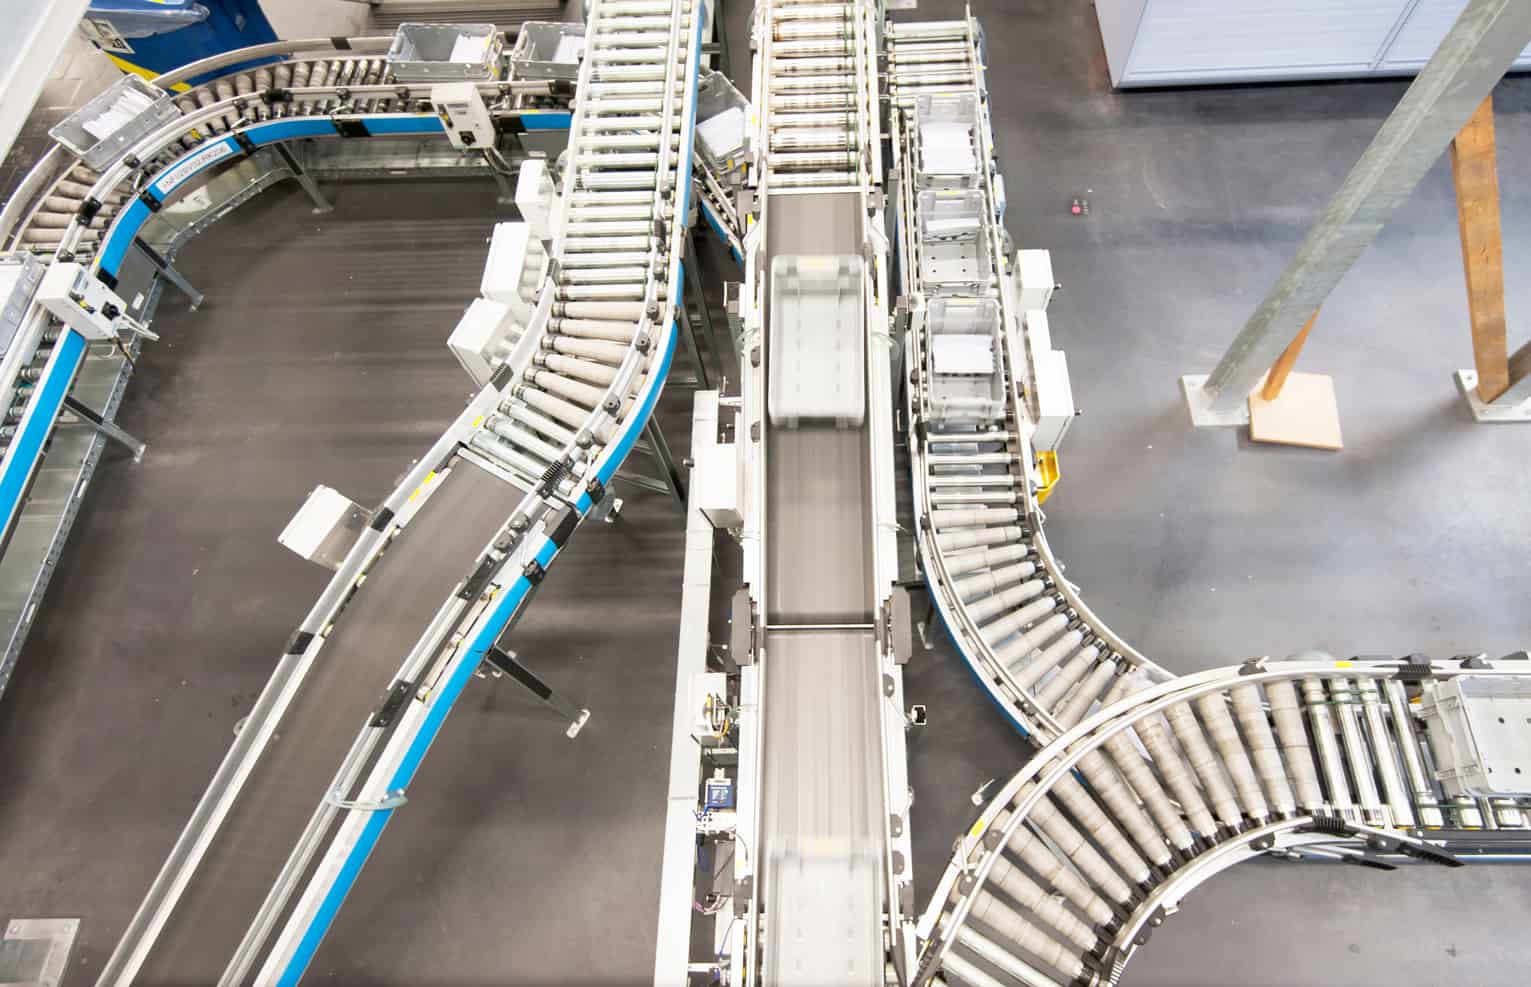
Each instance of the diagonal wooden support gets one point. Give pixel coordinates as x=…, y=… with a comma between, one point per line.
x=1474, y=170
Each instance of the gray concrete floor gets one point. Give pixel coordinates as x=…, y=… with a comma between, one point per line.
x=526, y=858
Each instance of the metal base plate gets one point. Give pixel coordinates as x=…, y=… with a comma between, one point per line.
x=35, y=951
x=1467, y=383
x=1199, y=404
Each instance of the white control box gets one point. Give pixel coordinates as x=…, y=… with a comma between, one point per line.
x=325, y=527
x=717, y=484
x=464, y=115
x=483, y=338
x=1051, y=390
x=79, y=301
x=1034, y=269
x=515, y=269
x=536, y=197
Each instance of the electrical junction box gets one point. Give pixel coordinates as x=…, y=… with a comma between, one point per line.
x=1034, y=269
x=1052, y=394
x=717, y=483
x=464, y=115
x=1480, y=734
x=325, y=527
x=536, y=197
x=709, y=708
x=514, y=270
x=79, y=301
x=718, y=792
x=484, y=337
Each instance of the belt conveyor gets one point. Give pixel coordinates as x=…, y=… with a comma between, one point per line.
x=65, y=209
x=457, y=550
x=1145, y=786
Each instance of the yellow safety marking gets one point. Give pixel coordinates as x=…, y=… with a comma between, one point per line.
x=977, y=829
x=1344, y=664
x=423, y=484
x=139, y=70
x=478, y=421
x=1047, y=467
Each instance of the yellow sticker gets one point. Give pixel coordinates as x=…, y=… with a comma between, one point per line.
x=1344, y=664
x=977, y=829
x=480, y=419
x=423, y=484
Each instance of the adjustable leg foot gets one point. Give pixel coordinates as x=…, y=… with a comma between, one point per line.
x=506, y=663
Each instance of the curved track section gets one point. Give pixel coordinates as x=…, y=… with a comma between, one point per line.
x=1038, y=651
x=1098, y=838
x=101, y=220
x=455, y=553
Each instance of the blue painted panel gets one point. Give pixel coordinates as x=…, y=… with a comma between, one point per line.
x=46, y=401
x=286, y=130
x=547, y=121
x=123, y=232
x=403, y=125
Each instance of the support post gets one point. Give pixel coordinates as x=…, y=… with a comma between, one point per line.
x=107, y=428
x=1474, y=172
x=321, y=204
x=1279, y=371
x=507, y=663
x=667, y=470
x=698, y=291
x=1482, y=44
x=688, y=339
x=167, y=271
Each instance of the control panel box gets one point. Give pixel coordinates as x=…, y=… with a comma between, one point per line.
x=325, y=527
x=80, y=301
x=464, y=115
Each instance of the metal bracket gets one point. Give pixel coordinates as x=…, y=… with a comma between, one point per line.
x=392, y=800
x=1492, y=413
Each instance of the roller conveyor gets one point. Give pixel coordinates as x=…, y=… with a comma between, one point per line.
x=1036, y=648
x=1145, y=786
x=256, y=878
x=1170, y=784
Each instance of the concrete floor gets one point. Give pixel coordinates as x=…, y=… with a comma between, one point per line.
x=525, y=858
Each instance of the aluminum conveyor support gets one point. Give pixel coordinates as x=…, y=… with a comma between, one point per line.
x=454, y=554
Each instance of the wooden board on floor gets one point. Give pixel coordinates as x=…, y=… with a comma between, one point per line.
x=1306, y=413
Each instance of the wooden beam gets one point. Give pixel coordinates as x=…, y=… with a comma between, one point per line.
x=1477, y=183
x=1283, y=365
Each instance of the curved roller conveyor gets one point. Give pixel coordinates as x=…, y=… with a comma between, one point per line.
x=68, y=211
x=1147, y=785
x=1100, y=836
x=1043, y=657
x=455, y=553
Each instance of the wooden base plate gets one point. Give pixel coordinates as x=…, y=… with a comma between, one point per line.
x=1306, y=413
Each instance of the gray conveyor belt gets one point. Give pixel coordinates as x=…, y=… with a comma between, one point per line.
x=402, y=592
x=821, y=835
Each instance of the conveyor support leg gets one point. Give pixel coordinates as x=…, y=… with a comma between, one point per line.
x=696, y=290
x=167, y=271
x=507, y=663
x=107, y=428
x=321, y=204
